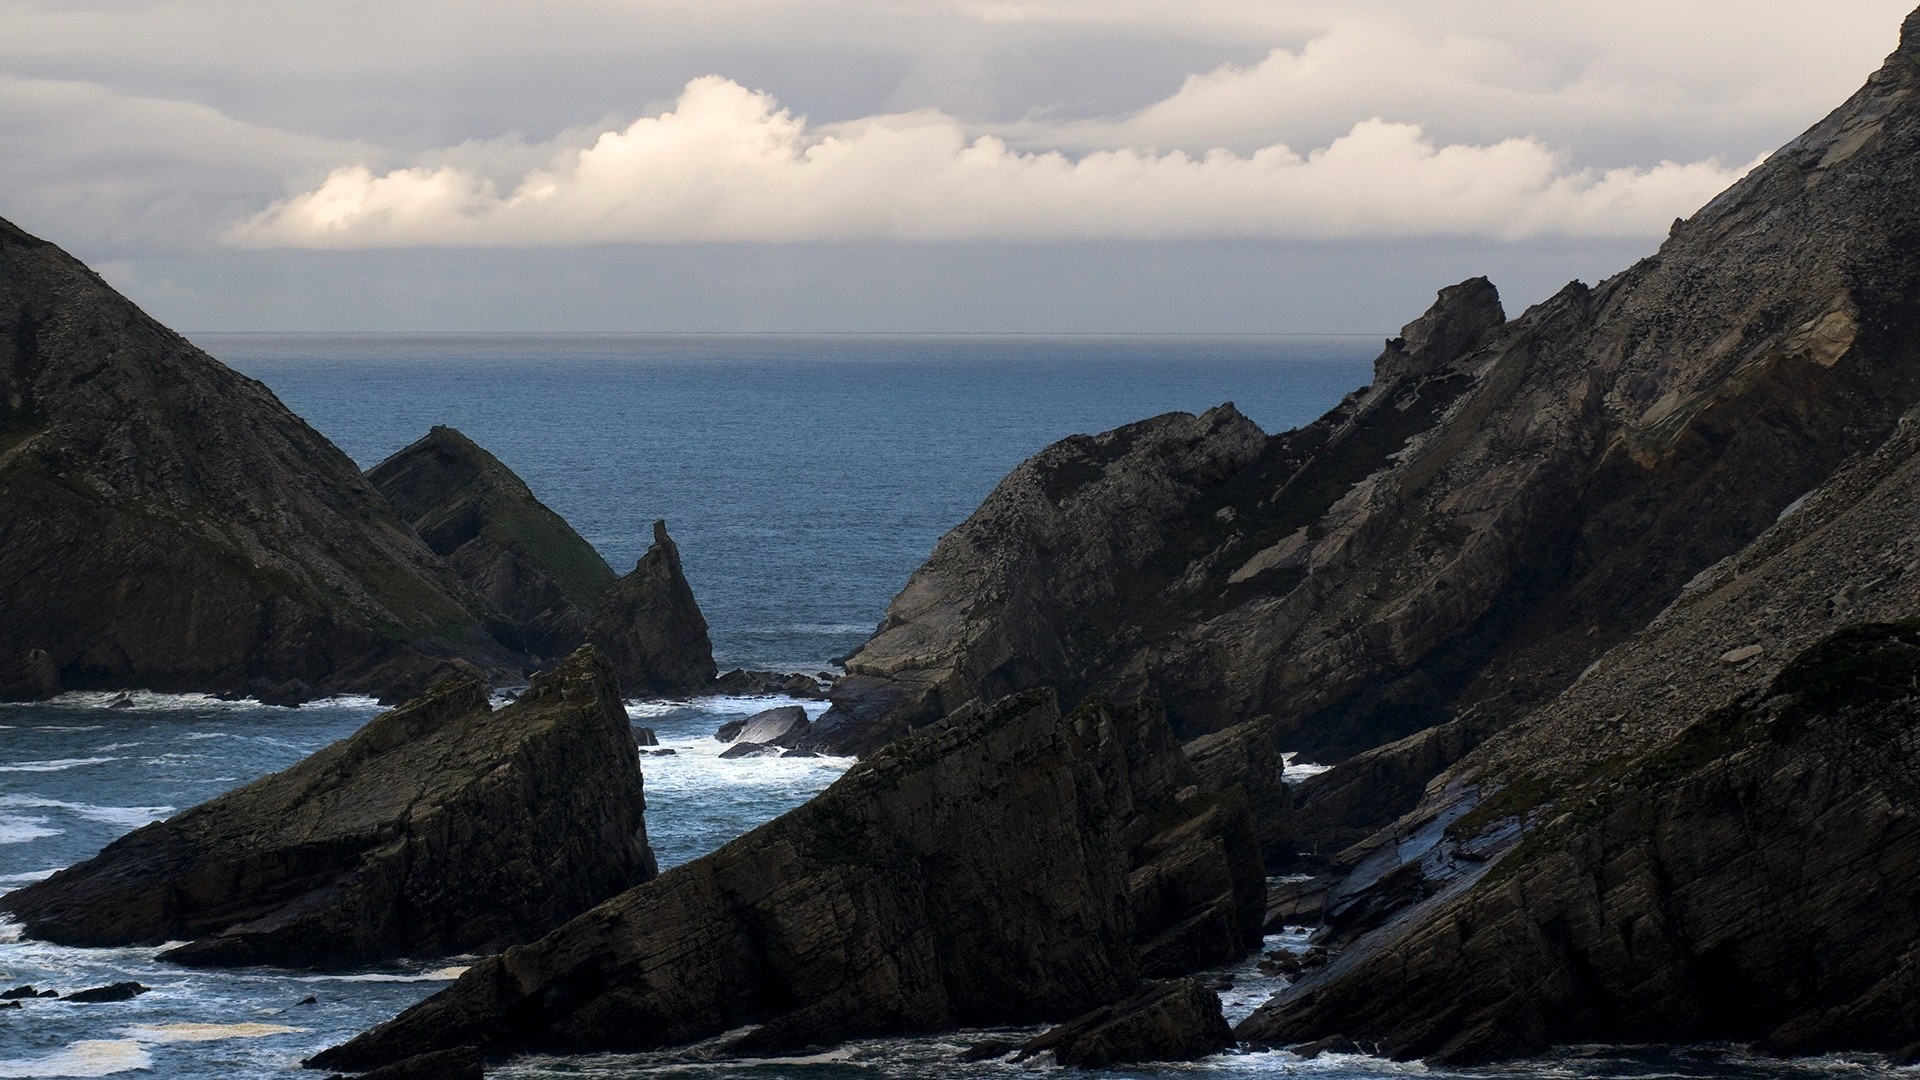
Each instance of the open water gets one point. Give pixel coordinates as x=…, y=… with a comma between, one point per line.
x=804, y=478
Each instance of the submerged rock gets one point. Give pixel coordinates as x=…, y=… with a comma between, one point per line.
x=651, y=629
x=1171, y=1021
x=439, y=827
x=120, y=991
x=167, y=523
x=522, y=558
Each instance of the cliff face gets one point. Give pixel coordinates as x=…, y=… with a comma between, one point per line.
x=976, y=873
x=650, y=626
x=522, y=558
x=440, y=827
x=165, y=522
x=1504, y=504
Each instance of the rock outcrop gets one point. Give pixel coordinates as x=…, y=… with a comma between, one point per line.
x=522, y=558
x=167, y=523
x=974, y=874
x=440, y=827
x=650, y=626
x=1171, y=1021
x=783, y=726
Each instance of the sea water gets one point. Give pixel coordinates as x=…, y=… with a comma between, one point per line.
x=804, y=479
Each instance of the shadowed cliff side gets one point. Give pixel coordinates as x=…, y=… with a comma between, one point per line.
x=521, y=557
x=650, y=626
x=167, y=523
x=439, y=827
x=985, y=871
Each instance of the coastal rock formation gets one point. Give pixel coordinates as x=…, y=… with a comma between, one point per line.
x=522, y=558
x=1707, y=834
x=440, y=827
x=974, y=874
x=784, y=727
x=1171, y=1021
x=167, y=523
x=650, y=627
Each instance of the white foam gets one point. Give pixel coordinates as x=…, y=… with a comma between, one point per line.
x=1296, y=771
x=20, y=830
x=445, y=974
x=194, y=1033
x=129, y=817
x=55, y=765
x=29, y=877
x=89, y=1057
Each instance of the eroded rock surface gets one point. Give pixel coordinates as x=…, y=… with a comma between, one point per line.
x=167, y=523
x=1171, y=1021
x=542, y=578
x=440, y=827
x=650, y=627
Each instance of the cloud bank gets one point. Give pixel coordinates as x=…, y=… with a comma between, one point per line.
x=726, y=163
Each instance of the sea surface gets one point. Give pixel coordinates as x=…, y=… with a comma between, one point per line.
x=804, y=478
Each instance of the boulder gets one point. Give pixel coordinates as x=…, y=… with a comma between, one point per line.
x=167, y=523
x=437, y=828
x=651, y=629
x=1178, y=1020
x=974, y=874
x=539, y=575
x=743, y=683
x=783, y=727
x=744, y=749
x=120, y=991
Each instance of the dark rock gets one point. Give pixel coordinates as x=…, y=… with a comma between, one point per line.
x=9, y=1005
x=120, y=991
x=750, y=749
x=460, y=1063
x=783, y=727
x=644, y=736
x=668, y=752
x=763, y=683
x=440, y=827
x=801, y=754
x=971, y=875
x=521, y=557
x=989, y=1049
x=1247, y=756
x=25, y=991
x=124, y=701
x=167, y=523
x=1171, y=1021
x=31, y=677
x=730, y=730
x=308, y=1000
x=1296, y=903
x=651, y=629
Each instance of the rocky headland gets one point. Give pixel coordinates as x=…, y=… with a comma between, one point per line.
x=650, y=626
x=440, y=827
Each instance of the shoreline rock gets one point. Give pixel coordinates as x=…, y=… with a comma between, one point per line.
x=650, y=627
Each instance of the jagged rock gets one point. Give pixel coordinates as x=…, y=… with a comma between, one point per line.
x=439, y=827
x=25, y=991
x=970, y=875
x=650, y=627
x=120, y=991
x=645, y=736
x=461, y=1063
x=473, y=511
x=763, y=683
x=167, y=523
x=1246, y=756
x=783, y=727
x=1170, y=1021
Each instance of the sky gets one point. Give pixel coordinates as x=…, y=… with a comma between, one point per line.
x=1001, y=166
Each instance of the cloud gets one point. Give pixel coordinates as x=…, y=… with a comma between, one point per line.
x=729, y=164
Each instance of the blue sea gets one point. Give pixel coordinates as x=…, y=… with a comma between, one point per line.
x=804, y=478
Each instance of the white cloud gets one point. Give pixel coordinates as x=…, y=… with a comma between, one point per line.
x=728, y=164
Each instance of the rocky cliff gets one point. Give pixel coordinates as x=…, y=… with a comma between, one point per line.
x=440, y=827
x=522, y=558
x=1708, y=833
x=976, y=873
x=650, y=627
x=166, y=523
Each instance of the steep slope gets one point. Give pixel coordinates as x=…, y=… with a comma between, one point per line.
x=1504, y=504
x=165, y=522
x=650, y=626
x=521, y=557
x=440, y=827
x=990, y=870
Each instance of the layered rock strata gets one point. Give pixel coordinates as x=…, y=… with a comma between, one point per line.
x=975, y=874
x=1171, y=1021
x=650, y=627
x=167, y=523
x=443, y=826
x=524, y=560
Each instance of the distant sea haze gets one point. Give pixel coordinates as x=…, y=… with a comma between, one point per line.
x=804, y=477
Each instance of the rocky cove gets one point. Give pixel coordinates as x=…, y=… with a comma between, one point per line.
x=1602, y=615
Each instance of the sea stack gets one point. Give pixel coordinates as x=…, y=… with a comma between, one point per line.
x=650, y=627
x=522, y=558
x=440, y=827
x=167, y=523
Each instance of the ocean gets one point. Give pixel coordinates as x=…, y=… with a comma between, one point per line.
x=803, y=478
